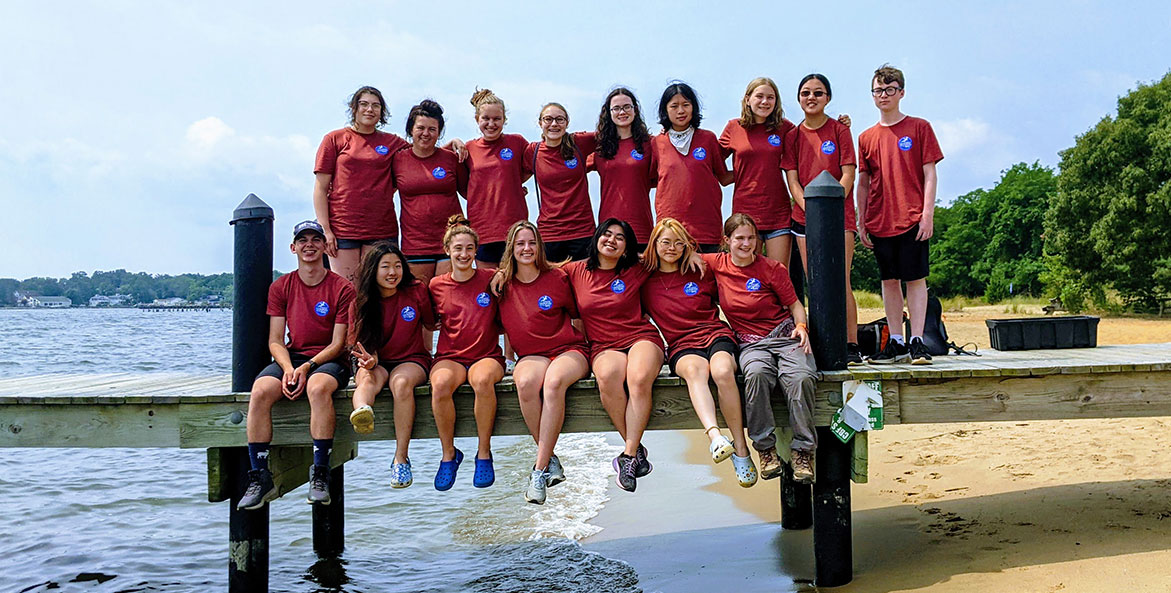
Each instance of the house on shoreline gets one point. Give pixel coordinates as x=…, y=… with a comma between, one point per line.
x=42, y=302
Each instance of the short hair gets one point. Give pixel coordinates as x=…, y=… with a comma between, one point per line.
x=629, y=256
x=650, y=258
x=820, y=78
x=484, y=97
x=679, y=88
x=383, y=115
x=425, y=108
x=887, y=74
x=747, y=119
x=457, y=224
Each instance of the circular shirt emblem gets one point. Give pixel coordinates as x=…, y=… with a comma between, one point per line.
x=691, y=289
x=699, y=154
x=321, y=308
x=506, y=154
x=828, y=147
x=439, y=172
x=905, y=143
x=618, y=286
x=635, y=154
x=545, y=302
x=483, y=299
x=408, y=314
x=571, y=163
x=380, y=149
x=774, y=139
x=753, y=284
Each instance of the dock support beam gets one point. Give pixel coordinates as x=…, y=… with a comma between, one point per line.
x=329, y=525
x=796, y=502
x=832, y=542
x=247, y=532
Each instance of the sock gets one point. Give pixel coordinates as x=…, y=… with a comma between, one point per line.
x=916, y=339
x=258, y=455
x=321, y=450
x=898, y=339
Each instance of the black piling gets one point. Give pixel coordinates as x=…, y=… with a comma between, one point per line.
x=247, y=533
x=329, y=527
x=832, y=540
x=796, y=501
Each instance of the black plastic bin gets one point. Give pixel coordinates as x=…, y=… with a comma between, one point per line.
x=1078, y=331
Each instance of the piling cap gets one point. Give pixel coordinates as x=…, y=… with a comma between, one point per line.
x=825, y=186
x=251, y=208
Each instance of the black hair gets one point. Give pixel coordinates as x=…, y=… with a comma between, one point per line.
x=679, y=88
x=608, y=130
x=425, y=108
x=383, y=115
x=829, y=92
x=629, y=257
x=368, y=306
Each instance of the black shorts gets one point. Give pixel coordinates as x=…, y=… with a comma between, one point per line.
x=721, y=344
x=333, y=368
x=359, y=243
x=797, y=228
x=901, y=257
x=490, y=252
x=426, y=259
x=709, y=247
x=573, y=249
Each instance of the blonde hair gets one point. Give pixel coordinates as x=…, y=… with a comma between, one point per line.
x=650, y=258
x=457, y=225
x=748, y=119
x=484, y=97
x=507, y=267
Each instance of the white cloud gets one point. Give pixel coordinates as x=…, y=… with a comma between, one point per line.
x=207, y=132
x=958, y=137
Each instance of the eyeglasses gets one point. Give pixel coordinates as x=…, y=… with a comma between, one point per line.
x=550, y=120
x=368, y=104
x=818, y=94
x=676, y=244
x=628, y=108
x=885, y=91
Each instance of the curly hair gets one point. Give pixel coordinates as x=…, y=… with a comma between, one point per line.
x=608, y=130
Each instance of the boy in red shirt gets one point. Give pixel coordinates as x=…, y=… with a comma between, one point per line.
x=314, y=303
x=896, y=210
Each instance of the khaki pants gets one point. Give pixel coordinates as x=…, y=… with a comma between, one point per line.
x=765, y=364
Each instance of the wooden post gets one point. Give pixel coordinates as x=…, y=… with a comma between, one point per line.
x=329, y=525
x=832, y=543
x=247, y=531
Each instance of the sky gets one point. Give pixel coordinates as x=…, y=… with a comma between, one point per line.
x=129, y=131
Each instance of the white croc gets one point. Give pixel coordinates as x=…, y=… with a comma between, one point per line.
x=721, y=448
x=745, y=470
x=363, y=420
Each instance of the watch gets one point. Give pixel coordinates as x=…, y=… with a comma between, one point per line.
x=313, y=365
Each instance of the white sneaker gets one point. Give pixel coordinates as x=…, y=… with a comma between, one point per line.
x=745, y=470
x=721, y=448
x=535, y=492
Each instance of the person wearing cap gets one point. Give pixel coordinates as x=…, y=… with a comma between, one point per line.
x=314, y=304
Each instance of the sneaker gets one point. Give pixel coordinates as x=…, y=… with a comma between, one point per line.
x=556, y=471
x=363, y=420
x=538, y=482
x=626, y=466
x=745, y=470
x=720, y=448
x=259, y=492
x=853, y=355
x=919, y=353
x=891, y=353
x=770, y=463
x=802, y=466
x=643, y=466
x=445, y=477
x=400, y=475
x=318, y=485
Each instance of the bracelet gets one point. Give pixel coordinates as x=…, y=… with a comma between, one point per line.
x=313, y=365
x=802, y=326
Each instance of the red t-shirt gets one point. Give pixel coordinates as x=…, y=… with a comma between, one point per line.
x=755, y=298
x=684, y=306
x=495, y=172
x=536, y=316
x=404, y=316
x=427, y=188
x=627, y=180
x=468, y=331
x=761, y=191
x=564, y=198
x=361, y=195
x=828, y=148
x=894, y=157
x=610, y=306
x=689, y=187
x=310, y=312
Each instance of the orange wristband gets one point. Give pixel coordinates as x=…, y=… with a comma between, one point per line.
x=803, y=326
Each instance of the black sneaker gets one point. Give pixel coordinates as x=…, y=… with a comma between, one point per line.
x=259, y=492
x=318, y=485
x=625, y=466
x=853, y=355
x=919, y=353
x=643, y=466
x=891, y=353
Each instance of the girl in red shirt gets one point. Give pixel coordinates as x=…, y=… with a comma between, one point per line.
x=625, y=163
x=468, y=350
x=495, y=172
x=701, y=346
x=690, y=168
x=391, y=313
x=558, y=166
x=536, y=309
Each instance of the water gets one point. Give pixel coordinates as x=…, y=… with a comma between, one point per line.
x=128, y=520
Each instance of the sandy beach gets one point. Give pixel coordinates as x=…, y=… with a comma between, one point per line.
x=1069, y=506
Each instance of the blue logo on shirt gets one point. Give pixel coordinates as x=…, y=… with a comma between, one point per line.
x=321, y=308
x=380, y=149
x=774, y=139
x=905, y=143
x=439, y=172
x=545, y=302
x=483, y=299
x=571, y=163
x=618, y=286
x=506, y=154
x=828, y=147
x=699, y=154
x=408, y=314
x=753, y=284
x=690, y=289
x=635, y=154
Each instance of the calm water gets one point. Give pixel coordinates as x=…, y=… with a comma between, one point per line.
x=123, y=520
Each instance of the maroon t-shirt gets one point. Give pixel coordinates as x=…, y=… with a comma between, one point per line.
x=828, y=148
x=610, y=307
x=894, y=157
x=310, y=312
x=565, y=210
x=761, y=191
x=627, y=180
x=684, y=306
x=755, y=298
x=536, y=316
x=428, y=189
x=495, y=172
x=467, y=312
x=404, y=316
x=361, y=195
x=688, y=187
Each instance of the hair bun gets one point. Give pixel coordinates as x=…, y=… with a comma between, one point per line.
x=429, y=106
x=456, y=220
x=480, y=95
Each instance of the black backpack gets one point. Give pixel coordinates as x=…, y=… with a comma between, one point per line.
x=872, y=336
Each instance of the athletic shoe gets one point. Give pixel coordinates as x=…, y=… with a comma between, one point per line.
x=400, y=475
x=318, y=485
x=802, y=466
x=445, y=477
x=745, y=470
x=556, y=471
x=891, y=353
x=919, y=353
x=642, y=467
x=626, y=466
x=853, y=355
x=720, y=448
x=770, y=463
x=363, y=420
x=538, y=482
x=259, y=492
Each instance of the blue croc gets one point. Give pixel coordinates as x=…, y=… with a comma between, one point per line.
x=400, y=475
x=445, y=477
x=485, y=475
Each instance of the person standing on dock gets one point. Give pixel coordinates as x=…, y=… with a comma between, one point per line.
x=314, y=304
x=625, y=164
x=896, y=211
x=496, y=175
x=558, y=165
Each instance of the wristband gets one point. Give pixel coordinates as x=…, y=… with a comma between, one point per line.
x=313, y=365
x=802, y=326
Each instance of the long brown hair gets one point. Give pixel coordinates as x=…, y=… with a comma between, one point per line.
x=368, y=306
x=568, y=148
x=508, y=260
x=747, y=118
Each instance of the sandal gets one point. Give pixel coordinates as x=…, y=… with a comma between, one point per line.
x=400, y=474
x=485, y=475
x=720, y=448
x=445, y=477
x=363, y=420
x=745, y=470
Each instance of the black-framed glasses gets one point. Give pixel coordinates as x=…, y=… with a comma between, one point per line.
x=888, y=91
x=549, y=120
x=818, y=94
x=628, y=108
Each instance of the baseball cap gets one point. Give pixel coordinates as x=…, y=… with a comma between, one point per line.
x=306, y=227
